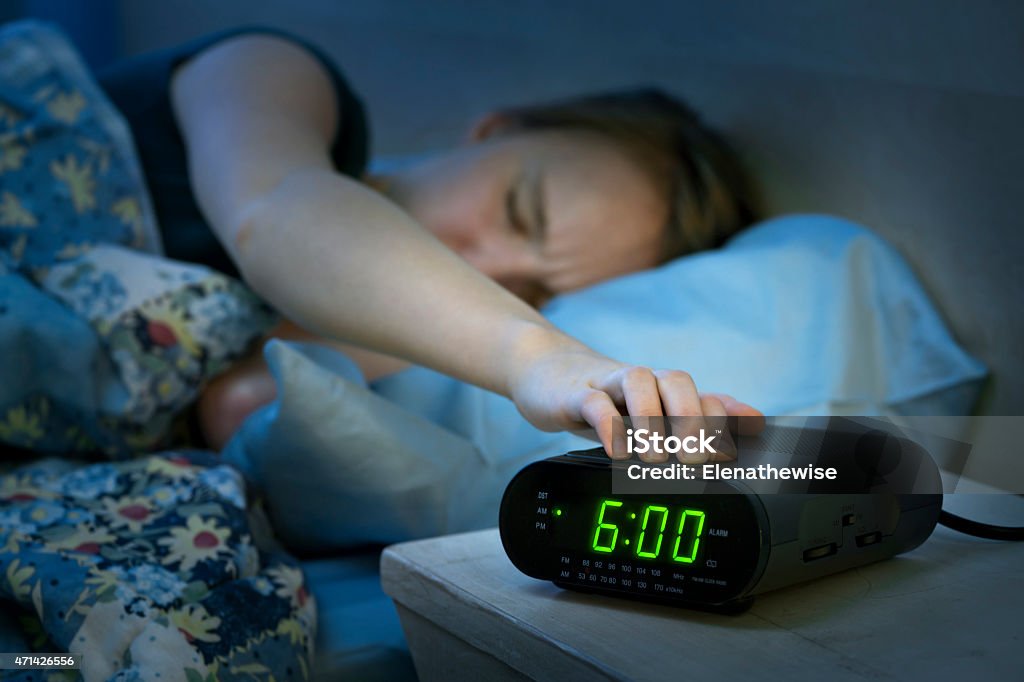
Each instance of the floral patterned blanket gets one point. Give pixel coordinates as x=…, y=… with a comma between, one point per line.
x=152, y=569
x=154, y=566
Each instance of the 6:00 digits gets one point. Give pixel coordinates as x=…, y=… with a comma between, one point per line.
x=651, y=534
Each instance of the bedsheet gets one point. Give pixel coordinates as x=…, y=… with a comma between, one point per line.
x=358, y=635
x=153, y=568
x=156, y=566
x=102, y=341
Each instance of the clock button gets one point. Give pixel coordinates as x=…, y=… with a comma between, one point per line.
x=820, y=552
x=868, y=539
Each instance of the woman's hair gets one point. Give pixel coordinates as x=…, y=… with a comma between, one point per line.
x=708, y=190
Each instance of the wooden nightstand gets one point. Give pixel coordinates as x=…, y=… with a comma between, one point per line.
x=950, y=610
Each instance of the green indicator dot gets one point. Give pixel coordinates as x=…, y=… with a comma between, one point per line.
x=558, y=512
x=627, y=541
x=632, y=516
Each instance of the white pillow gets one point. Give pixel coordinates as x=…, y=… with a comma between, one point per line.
x=798, y=315
x=804, y=314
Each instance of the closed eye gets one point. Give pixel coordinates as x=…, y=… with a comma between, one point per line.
x=515, y=219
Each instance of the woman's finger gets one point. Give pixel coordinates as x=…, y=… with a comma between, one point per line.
x=715, y=417
x=643, y=400
x=751, y=420
x=682, y=401
x=598, y=409
x=678, y=393
x=640, y=392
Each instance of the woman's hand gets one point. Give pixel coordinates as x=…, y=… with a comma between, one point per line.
x=561, y=384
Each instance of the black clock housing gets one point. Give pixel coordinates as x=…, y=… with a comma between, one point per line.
x=560, y=521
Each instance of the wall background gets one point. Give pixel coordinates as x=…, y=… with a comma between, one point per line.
x=905, y=116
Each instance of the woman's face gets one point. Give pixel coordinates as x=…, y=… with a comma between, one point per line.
x=540, y=212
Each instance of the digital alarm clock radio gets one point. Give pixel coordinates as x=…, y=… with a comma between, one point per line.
x=560, y=520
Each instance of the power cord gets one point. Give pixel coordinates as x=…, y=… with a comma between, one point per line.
x=979, y=529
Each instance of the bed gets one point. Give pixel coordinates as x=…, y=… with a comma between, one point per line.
x=899, y=118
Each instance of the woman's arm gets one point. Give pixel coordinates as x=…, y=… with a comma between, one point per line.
x=258, y=116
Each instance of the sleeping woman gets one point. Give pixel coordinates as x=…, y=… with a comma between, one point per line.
x=254, y=150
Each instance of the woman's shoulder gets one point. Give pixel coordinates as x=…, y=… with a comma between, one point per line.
x=272, y=59
x=130, y=80
x=139, y=87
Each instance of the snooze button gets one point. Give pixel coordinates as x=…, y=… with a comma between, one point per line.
x=820, y=552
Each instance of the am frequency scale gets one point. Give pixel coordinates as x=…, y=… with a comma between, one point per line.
x=561, y=521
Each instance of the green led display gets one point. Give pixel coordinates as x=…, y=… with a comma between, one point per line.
x=698, y=517
x=603, y=526
x=662, y=512
x=650, y=534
